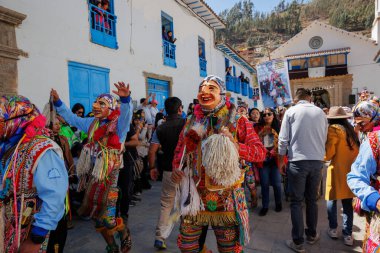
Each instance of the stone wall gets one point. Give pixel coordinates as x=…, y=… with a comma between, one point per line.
x=9, y=53
x=339, y=87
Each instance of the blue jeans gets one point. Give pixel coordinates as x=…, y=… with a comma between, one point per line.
x=304, y=178
x=348, y=215
x=270, y=175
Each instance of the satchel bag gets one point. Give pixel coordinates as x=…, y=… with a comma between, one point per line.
x=138, y=165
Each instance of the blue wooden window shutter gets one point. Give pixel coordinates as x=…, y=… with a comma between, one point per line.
x=103, y=25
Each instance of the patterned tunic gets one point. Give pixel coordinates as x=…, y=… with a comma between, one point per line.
x=223, y=205
x=26, y=159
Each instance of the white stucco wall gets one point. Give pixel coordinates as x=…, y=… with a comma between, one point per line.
x=376, y=31
x=220, y=57
x=53, y=36
x=366, y=73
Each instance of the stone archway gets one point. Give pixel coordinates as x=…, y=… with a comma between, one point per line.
x=321, y=98
x=9, y=53
x=338, y=87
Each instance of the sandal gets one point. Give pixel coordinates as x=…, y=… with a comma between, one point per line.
x=126, y=244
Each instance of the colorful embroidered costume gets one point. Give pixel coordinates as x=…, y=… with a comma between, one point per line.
x=222, y=203
x=33, y=176
x=100, y=160
x=366, y=111
x=251, y=177
x=364, y=182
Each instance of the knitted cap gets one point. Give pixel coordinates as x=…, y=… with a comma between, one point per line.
x=217, y=80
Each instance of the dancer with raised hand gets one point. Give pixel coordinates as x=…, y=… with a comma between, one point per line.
x=100, y=160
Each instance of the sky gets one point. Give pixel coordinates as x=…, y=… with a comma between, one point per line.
x=259, y=5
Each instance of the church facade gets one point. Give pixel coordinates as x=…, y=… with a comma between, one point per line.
x=335, y=64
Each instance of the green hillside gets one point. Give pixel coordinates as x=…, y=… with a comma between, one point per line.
x=255, y=33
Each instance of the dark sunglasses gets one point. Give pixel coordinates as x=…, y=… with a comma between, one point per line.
x=361, y=124
x=267, y=114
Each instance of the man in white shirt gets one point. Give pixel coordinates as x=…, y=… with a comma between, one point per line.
x=302, y=137
x=153, y=110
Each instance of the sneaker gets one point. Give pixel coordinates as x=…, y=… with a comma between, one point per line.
x=295, y=247
x=132, y=203
x=138, y=194
x=263, y=211
x=332, y=233
x=312, y=239
x=160, y=245
x=348, y=240
x=135, y=198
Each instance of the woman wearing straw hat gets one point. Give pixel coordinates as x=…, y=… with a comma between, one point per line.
x=342, y=147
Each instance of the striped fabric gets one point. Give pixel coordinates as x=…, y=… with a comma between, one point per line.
x=188, y=239
x=250, y=147
x=226, y=237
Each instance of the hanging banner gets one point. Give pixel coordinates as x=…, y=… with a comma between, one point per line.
x=256, y=94
x=274, y=83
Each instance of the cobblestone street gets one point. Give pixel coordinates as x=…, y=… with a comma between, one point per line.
x=268, y=233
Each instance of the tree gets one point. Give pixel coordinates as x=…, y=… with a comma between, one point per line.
x=245, y=25
x=247, y=10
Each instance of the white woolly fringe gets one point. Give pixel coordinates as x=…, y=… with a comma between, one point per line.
x=195, y=201
x=2, y=226
x=221, y=160
x=98, y=167
x=46, y=112
x=182, y=191
x=84, y=161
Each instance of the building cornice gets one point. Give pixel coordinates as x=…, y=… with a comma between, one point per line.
x=333, y=28
x=202, y=10
x=319, y=53
x=12, y=53
x=10, y=16
x=230, y=52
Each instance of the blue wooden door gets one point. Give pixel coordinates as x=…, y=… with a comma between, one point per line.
x=161, y=89
x=86, y=82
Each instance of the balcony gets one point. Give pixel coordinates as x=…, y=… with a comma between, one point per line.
x=203, y=67
x=168, y=51
x=237, y=85
x=230, y=83
x=234, y=84
x=336, y=70
x=250, y=92
x=244, y=89
x=332, y=70
x=298, y=73
x=103, y=27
